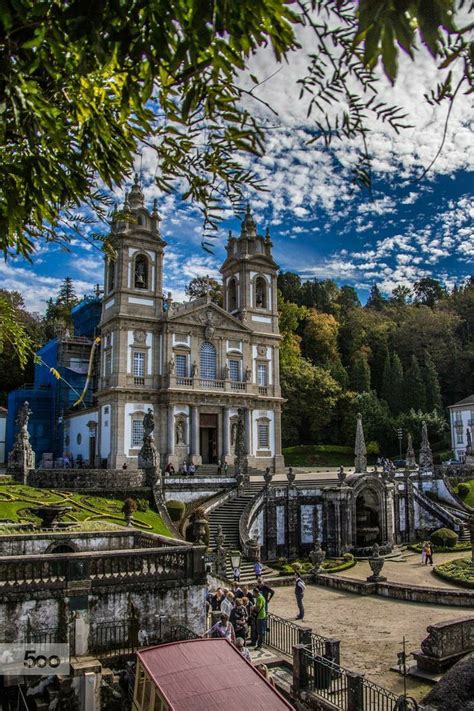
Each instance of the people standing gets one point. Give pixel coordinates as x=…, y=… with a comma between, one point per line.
x=258, y=569
x=227, y=604
x=429, y=553
x=240, y=644
x=423, y=552
x=299, y=595
x=260, y=616
x=266, y=591
x=223, y=629
x=236, y=574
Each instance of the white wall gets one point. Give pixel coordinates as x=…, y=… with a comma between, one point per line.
x=270, y=415
x=78, y=427
x=465, y=414
x=130, y=408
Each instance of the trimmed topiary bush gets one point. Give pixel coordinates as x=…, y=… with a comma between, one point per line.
x=175, y=510
x=460, y=571
x=463, y=490
x=444, y=537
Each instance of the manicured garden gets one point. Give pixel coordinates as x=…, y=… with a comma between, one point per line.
x=304, y=566
x=460, y=571
x=102, y=512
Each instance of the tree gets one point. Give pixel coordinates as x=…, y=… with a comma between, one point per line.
x=201, y=286
x=347, y=299
x=429, y=291
x=320, y=334
x=375, y=300
x=414, y=387
x=67, y=293
x=82, y=86
x=360, y=375
x=290, y=286
x=401, y=295
x=431, y=382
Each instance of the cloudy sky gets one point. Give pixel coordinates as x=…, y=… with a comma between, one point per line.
x=320, y=226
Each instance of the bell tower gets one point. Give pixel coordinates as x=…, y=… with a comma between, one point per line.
x=131, y=328
x=250, y=278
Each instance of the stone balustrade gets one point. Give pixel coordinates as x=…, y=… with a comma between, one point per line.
x=76, y=479
x=174, y=563
x=445, y=644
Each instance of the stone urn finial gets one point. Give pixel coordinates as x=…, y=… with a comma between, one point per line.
x=290, y=475
x=268, y=476
x=317, y=556
x=376, y=562
x=360, y=450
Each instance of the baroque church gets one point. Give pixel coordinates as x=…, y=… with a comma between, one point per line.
x=193, y=364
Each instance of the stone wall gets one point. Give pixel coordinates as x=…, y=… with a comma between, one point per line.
x=88, y=479
x=80, y=542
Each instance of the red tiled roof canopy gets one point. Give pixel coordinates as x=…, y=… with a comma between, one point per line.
x=205, y=674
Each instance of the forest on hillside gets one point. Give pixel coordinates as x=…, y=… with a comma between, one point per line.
x=397, y=360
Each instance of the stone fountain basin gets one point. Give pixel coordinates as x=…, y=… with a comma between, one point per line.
x=50, y=515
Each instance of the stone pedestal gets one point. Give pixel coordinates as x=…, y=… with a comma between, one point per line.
x=21, y=459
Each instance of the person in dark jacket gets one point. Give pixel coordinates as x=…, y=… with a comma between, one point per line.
x=299, y=595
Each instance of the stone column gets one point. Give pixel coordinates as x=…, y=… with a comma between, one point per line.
x=170, y=430
x=248, y=432
x=226, y=434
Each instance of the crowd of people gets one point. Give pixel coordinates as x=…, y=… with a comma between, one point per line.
x=243, y=614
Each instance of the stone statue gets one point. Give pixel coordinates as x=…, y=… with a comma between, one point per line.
x=171, y=366
x=317, y=556
x=233, y=433
x=148, y=424
x=226, y=372
x=221, y=553
x=468, y=439
x=179, y=432
x=194, y=369
x=268, y=476
x=360, y=450
x=341, y=474
x=290, y=475
x=22, y=458
x=248, y=375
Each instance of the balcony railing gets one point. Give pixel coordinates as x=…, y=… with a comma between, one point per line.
x=101, y=568
x=208, y=384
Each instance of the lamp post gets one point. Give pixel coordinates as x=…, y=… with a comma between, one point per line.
x=235, y=558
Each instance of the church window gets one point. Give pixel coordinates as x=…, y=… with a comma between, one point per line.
x=181, y=363
x=262, y=374
x=232, y=295
x=261, y=292
x=263, y=432
x=137, y=433
x=234, y=370
x=459, y=437
x=108, y=363
x=111, y=276
x=208, y=365
x=139, y=364
x=141, y=272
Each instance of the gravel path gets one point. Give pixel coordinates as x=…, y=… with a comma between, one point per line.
x=370, y=628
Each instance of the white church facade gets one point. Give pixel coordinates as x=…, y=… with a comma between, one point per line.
x=194, y=364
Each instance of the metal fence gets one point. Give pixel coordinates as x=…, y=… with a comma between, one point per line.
x=376, y=698
x=282, y=636
x=326, y=679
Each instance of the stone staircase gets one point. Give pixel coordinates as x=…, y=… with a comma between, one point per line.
x=228, y=516
x=464, y=535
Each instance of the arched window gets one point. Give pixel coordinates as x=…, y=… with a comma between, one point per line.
x=141, y=272
x=261, y=292
x=208, y=367
x=111, y=276
x=232, y=295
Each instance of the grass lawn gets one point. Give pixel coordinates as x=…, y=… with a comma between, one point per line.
x=15, y=499
x=469, y=499
x=319, y=455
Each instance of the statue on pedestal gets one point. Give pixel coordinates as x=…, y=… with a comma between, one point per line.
x=241, y=455
x=317, y=556
x=376, y=563
x=221, y=553
x=360, y=450
x=148, y=457
x=22, y=458
x=410, y=455
x=426, y=455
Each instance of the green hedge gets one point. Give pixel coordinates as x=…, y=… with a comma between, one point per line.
x=305, y=567
x=175, y=510
x=460, y=571
x=444, y=537
x=417, y=548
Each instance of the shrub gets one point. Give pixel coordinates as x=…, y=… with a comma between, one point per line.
x=464, y=490
x=129, y=506
x=444, y=537
x=142, y=504
x=373, y=448
x=175, y=510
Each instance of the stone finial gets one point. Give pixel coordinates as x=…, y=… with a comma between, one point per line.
x=426, y=455
x=341, y=474
x=22, y=458
x=249, y=228
x=290, y=475
x=360, y=450
x=317, y=556
x=135, y=196
x=410, y=455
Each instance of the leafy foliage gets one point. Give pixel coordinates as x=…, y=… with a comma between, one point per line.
x=201, y=286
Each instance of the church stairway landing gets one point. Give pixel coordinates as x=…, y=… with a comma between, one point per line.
x=228, y=516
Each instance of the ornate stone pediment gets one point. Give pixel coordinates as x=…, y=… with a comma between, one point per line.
x=210, y=316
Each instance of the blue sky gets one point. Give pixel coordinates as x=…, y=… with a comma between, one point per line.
x=320, y=227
